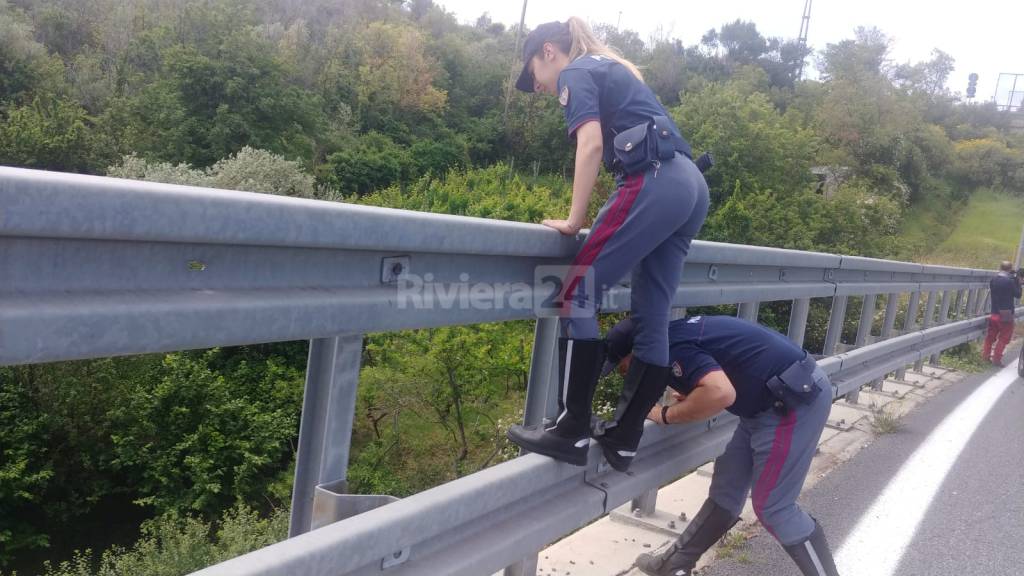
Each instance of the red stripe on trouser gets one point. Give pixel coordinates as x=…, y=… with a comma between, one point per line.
x=599, y=237
x=773, y=467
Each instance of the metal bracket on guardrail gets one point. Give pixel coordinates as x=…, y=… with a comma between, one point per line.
x=397, y=558
x=331, y=503
x=393, y=269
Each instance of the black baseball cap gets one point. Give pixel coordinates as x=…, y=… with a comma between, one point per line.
x=535, y=40
x=620, y=345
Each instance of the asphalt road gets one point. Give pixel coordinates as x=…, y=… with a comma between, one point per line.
x=973, y=527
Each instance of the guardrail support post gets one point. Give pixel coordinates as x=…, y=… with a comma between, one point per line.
x=867, y=318
x=958, y=305
x=943, y=319
x=644, y=504
x=541, y=391
x=525, y=567
x=325, y=430
x=908, y=324
x=798, y=320
x=543, y=365
x=835, y=324
x=891, y=304
x=929, y=316
x=748, y=311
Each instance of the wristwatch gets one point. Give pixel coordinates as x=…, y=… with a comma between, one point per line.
x=664, y=414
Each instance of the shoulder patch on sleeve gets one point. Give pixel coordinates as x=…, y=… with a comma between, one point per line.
x=563, y=97
x=677, y=369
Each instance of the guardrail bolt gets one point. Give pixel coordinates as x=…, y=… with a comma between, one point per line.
x=392, y=268
x=713, y=272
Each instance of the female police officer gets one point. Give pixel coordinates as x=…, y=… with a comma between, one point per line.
x=783, y=400
x=645, y=228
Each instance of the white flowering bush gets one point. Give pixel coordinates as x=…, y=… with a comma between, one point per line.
x=250, y=170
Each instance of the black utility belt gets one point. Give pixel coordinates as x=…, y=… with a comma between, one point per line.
x=795, y=386
x=638, y=148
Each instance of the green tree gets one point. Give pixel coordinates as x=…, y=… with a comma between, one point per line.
x=25, y=65
x=756, y=147
x=395, y=73
x=205, y=108
x=48, y=133
x=176, y=544
x=375, y=161
x=200, y=440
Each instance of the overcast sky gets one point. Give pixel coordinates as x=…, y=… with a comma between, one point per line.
x=979, y=34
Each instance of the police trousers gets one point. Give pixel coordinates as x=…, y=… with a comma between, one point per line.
x=644, y=231
x=770, y=454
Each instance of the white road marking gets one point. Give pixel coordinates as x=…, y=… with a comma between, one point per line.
x=882, y=534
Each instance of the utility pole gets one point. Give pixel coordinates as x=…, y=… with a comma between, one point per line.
x=515, y=58
x=1019, y=260
x=805, y=23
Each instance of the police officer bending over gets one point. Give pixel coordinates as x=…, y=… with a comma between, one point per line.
x=783, y=400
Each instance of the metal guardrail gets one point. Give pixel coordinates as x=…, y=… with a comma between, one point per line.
x=93, y=267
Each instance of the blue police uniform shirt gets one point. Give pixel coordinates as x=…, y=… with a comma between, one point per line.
x=748, y=353
x=599, y=88
x=1003, y=288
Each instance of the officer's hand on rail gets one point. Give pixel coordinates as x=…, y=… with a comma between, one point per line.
x=563, y=226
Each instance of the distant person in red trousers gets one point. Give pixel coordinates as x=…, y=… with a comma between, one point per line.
x=1004, y=288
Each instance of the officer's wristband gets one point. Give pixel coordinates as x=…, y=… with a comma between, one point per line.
x=664, y=414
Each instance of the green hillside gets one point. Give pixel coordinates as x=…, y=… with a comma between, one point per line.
x=987, y=232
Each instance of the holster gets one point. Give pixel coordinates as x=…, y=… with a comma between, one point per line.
x=795, y=386
x=638, y=148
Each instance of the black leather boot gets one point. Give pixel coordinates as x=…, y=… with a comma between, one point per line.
x=644, y=385
x=813, y=556
x=579, y=367
x=707, y=527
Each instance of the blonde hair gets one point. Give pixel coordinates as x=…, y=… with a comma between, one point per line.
x=584, y=42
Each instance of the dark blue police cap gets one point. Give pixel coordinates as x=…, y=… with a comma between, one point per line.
x=546, y=32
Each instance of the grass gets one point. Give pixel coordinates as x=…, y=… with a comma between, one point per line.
x=929, y=221
x=965, y=358
x=886, y=422
x=987, y=232
x=733, y=545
